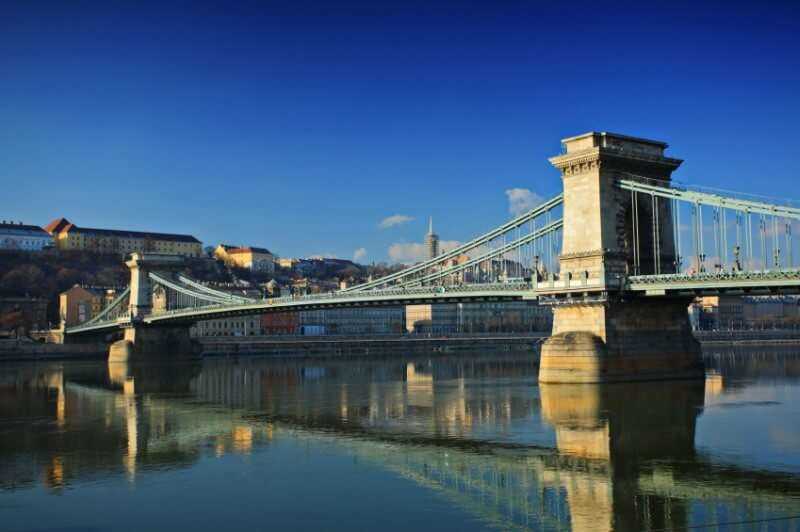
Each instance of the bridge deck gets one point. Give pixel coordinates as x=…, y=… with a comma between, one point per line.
x=733, y=283
x=389, y=297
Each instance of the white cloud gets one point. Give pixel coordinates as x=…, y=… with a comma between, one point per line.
x=319, y=256
x=360, y=254
x=410, y=253
x=521, y=200
x=393, y=220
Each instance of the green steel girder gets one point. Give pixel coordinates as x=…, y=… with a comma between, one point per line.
x=715, y=200
x=477, y=242
x=527, y=239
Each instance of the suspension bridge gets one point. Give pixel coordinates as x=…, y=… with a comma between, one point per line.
x=618, y=255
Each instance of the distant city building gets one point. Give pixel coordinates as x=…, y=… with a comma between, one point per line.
x=221, y=252
x=250, y=258
x=287, y=262
x=744, y=312
x=280, y=323
x=235, y=326
x=80, y=304
x=17, y=236
x=490, y=317
x=273, y=289
x=305, y=286
x=352, y=321
x=68, y=236
x=432, y=240
x=232, y=326
x=512, y=316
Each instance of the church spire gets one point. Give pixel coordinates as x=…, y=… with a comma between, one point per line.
x=432, y=240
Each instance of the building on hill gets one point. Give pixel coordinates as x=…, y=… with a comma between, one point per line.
x=221, y=252
x=18, y=236
x=252, y=258
x=287, y=262
x=247, y=257
x=80, y=304
x=69, y=236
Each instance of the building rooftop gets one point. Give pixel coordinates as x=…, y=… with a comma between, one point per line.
x=248, y=249
x=63, y=225
x=19, y=226
x=57, y=225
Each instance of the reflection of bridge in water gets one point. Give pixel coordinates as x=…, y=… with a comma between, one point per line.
x=623, y=457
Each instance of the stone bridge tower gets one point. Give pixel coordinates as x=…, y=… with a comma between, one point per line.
x=600, y=333
x=141, y=339
x=140, y=265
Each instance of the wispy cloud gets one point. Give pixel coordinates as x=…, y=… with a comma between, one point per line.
x=521, y=200
x=410, y=253
x=393, y=220
x=360, y=254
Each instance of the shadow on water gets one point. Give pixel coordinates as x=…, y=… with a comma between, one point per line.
x=475, y=430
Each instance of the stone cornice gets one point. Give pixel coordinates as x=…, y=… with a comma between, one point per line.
x=577, y=163
x=592, y=254
x=594, y=158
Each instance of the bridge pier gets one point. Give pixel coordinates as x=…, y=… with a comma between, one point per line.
x=153, y=342
x=641, y=339
x=599, y=333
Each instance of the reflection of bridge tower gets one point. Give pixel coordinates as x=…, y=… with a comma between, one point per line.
x=618, y=428
x=596, y=335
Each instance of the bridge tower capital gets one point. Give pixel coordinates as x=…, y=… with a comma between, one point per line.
x=598, y=233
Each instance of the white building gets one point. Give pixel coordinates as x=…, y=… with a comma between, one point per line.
x=23, y=237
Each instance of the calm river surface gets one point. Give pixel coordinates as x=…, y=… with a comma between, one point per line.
x=439, y=442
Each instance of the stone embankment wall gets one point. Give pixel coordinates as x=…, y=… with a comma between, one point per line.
x=27, y=350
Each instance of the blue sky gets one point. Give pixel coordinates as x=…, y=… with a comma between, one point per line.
x=300, y=126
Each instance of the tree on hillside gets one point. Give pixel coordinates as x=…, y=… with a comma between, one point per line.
x=23, y=279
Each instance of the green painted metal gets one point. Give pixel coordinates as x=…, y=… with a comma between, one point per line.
x=186, y=291
x=477, y=242
x=218, y=293
x=544, y=231
x=704, y=198
x=786, y=280
x=388, y=297
x=111, y=307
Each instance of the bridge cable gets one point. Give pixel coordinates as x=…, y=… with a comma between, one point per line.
x=656, y=236
x=635, y=227
x=678, y=229
x=776, y=249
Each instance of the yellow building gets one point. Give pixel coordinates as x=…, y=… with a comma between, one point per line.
x=68, y=236
x=78, y=304
x=251, y=258
x=287, y=262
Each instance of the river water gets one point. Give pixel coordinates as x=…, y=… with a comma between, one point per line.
x=439, y=442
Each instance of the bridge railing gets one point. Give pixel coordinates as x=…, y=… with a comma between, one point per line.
x=675, y=229
x=357, y=296
x=786, y=278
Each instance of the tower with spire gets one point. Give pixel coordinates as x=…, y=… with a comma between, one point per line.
x=432, y=240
